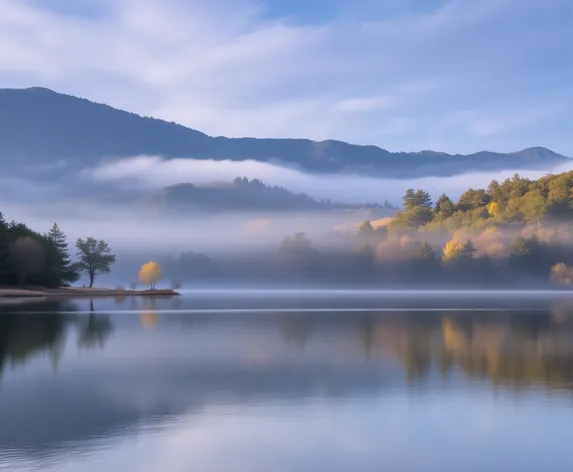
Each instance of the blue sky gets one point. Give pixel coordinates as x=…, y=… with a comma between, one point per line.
x=448, y=75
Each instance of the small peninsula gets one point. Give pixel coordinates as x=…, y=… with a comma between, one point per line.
x=41, y=292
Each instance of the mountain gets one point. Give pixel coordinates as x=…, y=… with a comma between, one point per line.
x=39, y=127
x=243, y=195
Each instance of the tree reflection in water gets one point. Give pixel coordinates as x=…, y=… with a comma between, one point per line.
x=514, y=349
x=30, y=329
x=148, y=316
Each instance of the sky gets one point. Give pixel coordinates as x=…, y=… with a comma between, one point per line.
x=406, y=75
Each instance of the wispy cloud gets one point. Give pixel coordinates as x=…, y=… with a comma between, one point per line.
x=229, y=68
x=494, y=122
x=137, y=227
x=152, y=172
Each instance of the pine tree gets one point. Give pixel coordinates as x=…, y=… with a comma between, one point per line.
x=63, y=265
x=4, y=250
x=426, y=252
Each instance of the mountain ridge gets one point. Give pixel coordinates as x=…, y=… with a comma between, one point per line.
x=39, y=125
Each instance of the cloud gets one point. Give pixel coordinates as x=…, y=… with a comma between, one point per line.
x=492, y=122
x=153, y=172
x=366, y=104
x=228, y=67
x=137, y=228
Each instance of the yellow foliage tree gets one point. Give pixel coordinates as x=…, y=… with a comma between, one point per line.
x=493, y=209
x=452, y=250
x=150, y=274
x=561, y=274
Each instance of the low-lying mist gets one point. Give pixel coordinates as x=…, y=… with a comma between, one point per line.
x=154, y=172
x=247, y=243
x=129, y=230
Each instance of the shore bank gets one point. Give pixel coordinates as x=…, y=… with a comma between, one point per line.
x=39, y=292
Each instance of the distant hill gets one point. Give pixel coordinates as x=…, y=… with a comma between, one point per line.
x=243, y=194
x=42, y=127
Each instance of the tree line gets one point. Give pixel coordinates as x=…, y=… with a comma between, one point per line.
x=512, y=232
x=30, y=258
x=515, y=231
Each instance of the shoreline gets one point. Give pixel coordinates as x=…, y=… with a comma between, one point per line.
x=39, y=292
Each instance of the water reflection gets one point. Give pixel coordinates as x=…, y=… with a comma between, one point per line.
x=24, y=332
x=148, y=316
x=112, y=376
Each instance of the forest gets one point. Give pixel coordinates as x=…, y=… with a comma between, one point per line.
x=29, y=258
x=513, y=233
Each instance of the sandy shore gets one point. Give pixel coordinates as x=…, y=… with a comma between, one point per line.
x=38, y=292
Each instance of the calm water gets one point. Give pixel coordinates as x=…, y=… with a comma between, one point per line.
x=247, y=381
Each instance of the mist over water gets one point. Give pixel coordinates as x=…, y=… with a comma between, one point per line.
x=168, y=307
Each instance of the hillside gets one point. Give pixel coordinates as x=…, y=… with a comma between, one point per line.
x=242, y=195
x=42, y=127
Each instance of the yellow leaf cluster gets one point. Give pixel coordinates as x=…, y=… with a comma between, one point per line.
x=150, y=274
x=562, y=274
x=493, y=209
x=452, y=249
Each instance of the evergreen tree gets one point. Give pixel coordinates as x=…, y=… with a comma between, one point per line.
x=425, y=252
x=444, y=207
x=527, y=255
x=62, y=265
x=468, y=249
x=365, y=233
x=472, y=199
x=4, y=250
x=418, y=198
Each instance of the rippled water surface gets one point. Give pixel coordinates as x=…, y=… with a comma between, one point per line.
x=289, y=381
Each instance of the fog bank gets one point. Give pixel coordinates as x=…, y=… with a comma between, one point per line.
x=153, y=172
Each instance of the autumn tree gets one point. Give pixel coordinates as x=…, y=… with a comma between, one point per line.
x=150, y=274
x=452, y=250
x=493, y=209
x=455, y=250
x=94, y=257
x=561, y=274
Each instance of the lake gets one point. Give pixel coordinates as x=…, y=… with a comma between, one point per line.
x=289, y=381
